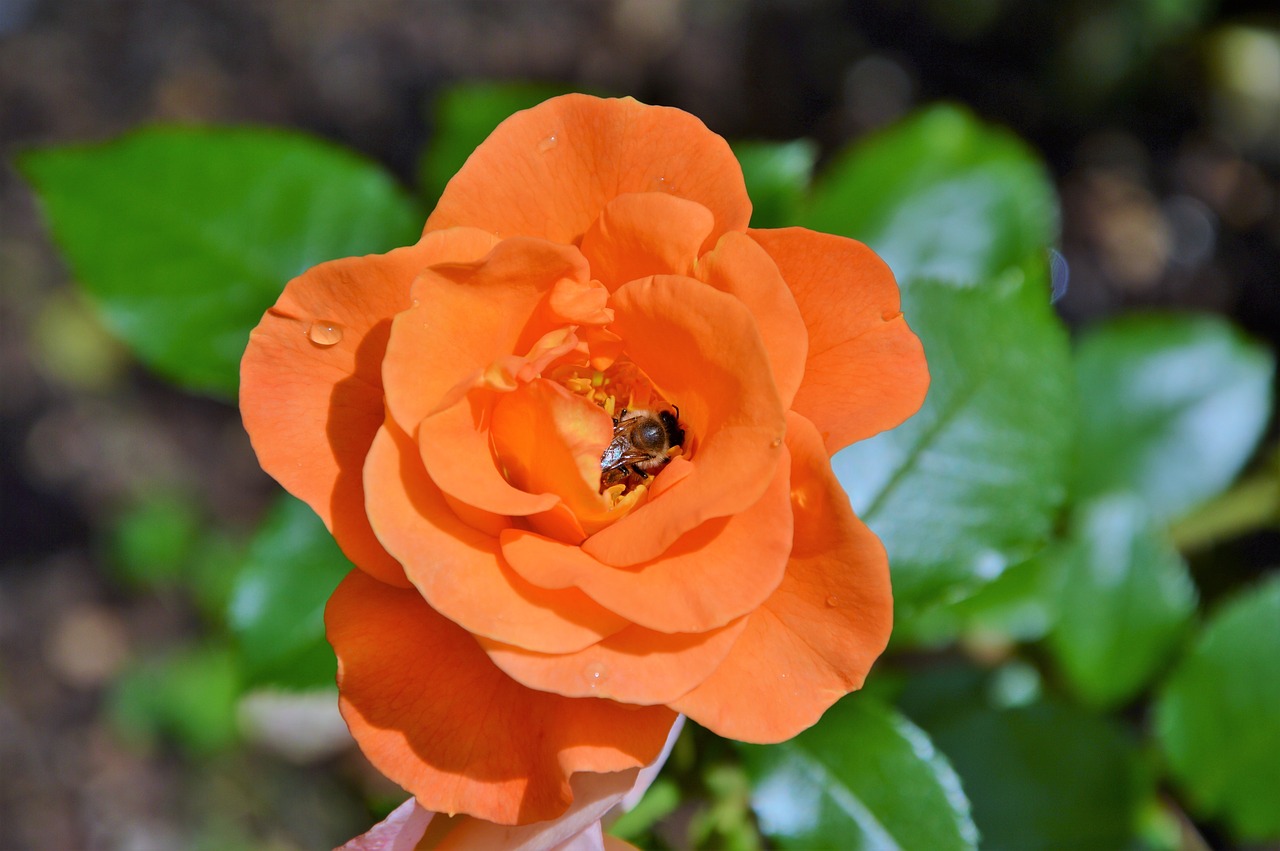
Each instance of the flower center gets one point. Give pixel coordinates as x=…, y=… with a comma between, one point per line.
x=647, y=432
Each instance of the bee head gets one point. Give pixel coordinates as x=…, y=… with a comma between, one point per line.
x=671, y=423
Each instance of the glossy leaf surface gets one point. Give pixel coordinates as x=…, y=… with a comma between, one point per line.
x=1218, y=719
x=970, y=484
x=1041, y=775
x=277, y=605
x=1124, y=600
x=1171, y=407
x=863, y=778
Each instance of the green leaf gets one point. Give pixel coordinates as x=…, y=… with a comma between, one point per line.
x=1171, y=408
x=464, y=117
x=940, y=196
x=971, y=483
x=1040, y=777
x=1218, y=719
x=183, y=236
x=777, y=176
x=277, y=606
x=863, y=778
x=1021, y=604
x=659, y=801
x=1124, y=600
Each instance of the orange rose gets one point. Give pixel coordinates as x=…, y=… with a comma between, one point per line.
x=446, y=407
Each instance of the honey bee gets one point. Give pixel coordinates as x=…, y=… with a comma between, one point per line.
x=642, y=443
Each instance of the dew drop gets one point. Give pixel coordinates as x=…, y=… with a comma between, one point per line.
x=777, y=441
x=660, y=184
x=833, y=601
x=595, y=674
x=547, y=144
x=324, y=333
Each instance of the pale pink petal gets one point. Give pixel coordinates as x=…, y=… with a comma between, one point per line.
x=400, y=831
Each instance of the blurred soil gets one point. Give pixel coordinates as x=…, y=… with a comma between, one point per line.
x=1163, y=139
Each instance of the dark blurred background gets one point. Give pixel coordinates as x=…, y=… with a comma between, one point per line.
x=1159, y=119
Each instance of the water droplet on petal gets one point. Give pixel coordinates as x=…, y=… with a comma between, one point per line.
x=833, y=601
x=324, y=333
x=661, y=185
x=777, y=441
x=595, y=673
x=547, y=144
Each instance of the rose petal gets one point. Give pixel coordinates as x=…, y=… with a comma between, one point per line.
x=719, y=571
x=400, y=831
x=642, y=234
x=459, y=570
x=866, y=370
x=549, y=171
x=744, y=270
x=816, y=637
x=702, y=350
x=634, y=665
x=549, y=440
x=433, y=714
x=457, y=454
x=594, y=795
x=466, y=316
x=312, y=408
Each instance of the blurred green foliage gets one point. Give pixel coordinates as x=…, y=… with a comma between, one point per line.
x=1041, y=600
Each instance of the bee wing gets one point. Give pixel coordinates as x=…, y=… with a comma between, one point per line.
x=614, y=455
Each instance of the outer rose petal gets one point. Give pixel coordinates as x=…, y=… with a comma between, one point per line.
x=815, y=638
x=642, y=234
x=720, y=571
x=593, y=796
x=703, y=352
x=740, y=267
x=635, y=665
x=311, y=410
x=432, y=713
x=866, y=370
x=399, y=831
x=550, y=170
x=459, y=570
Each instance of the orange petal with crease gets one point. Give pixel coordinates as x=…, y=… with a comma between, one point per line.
x=431, y=712
x=644, y=234
x=549, y=171
x=702, y=350
x=459, y=570
x=720, y=571
x=635, y=665
x=311, y=409
x=549, y=440
x=740, y=267
x=816, y=637
x=464, y=317
x=866, y=370
x=457, y=452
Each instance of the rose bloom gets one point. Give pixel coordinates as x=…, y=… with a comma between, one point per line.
x=518, y=613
